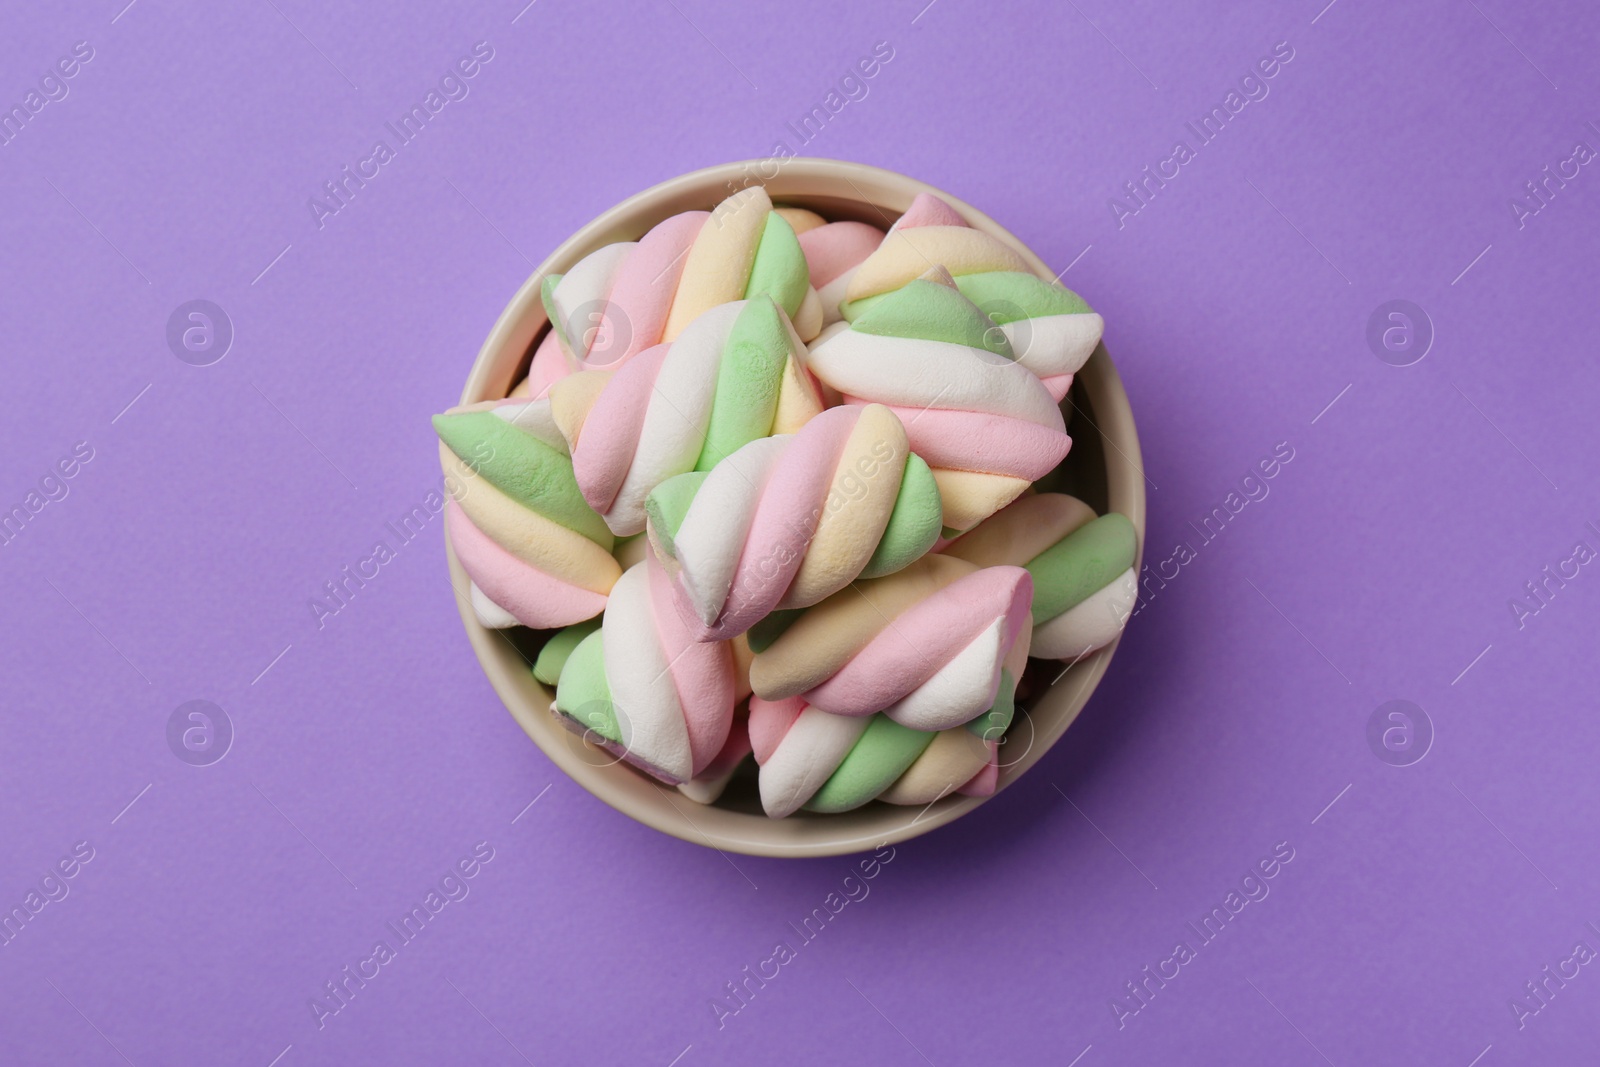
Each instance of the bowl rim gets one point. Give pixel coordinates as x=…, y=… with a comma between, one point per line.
x=662, y=807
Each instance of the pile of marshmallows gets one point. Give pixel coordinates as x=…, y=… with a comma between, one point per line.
x=771, y=479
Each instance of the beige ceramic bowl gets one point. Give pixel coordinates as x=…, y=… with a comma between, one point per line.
x=1104, y=468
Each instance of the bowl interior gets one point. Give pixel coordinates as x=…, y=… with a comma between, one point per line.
x=1104, y=469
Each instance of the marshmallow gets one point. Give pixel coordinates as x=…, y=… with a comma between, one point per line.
x=644, y=688
x=1052, y=331
x=627, y=297
x=536, y=553
x=984, y=423
x=787, y=521
x=707, y=785
x=929, y=646
x=830, y=763
x=737, y=373
x=1082, y=566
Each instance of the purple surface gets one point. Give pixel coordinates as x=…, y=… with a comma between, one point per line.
x=370, y=755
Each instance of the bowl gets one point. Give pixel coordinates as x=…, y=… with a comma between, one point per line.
x=1104, y=468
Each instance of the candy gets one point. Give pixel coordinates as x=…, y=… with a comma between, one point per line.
x=929, y=646
x=627, y=297
x=534, y=550
x=1051, y=330
x=1082, y=567
x=644, y=688
x=737, y=373
x=984, y=423
x=830, y=763
x=707, y=785
x=786, y=521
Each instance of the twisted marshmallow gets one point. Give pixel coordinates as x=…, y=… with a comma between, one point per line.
x=536, y=553
x=832, y=763
x=645, y=687
x=897, y=690
x=618, y=299
x=706, y=786
x=1082, y=566
x=737, y=373
x=985, y=424
x=1051, y=329
x=930, y=647
x=626, y=297
x=786, y=521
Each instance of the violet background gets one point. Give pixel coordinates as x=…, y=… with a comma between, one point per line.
x=1416, y=507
